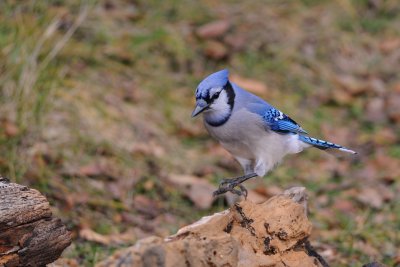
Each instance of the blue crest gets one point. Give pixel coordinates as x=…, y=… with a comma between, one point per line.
x=217, y=79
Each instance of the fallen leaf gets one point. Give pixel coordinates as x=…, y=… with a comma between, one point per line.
x=236, y=41
x=396, y=87
x=251, y=85
x=139, y=221
x=351, y=84
x=388, y=166
x=121, y=188
x=10, y=128
x=150, y=208
x=375, y=110
x=341, y=96
x=199, y=191
x=344, y=205
x=62, y=262
x=213, y=29
x=389, y=45
x=385, y=136
x=215, y=50
x=148, y=149
x=115, y=239
x=370, y=197
x=393, y=106
x=93, y=169
x=269, y=191
x=367, y=249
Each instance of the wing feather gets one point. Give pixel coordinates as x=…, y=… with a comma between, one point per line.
x=276, y=120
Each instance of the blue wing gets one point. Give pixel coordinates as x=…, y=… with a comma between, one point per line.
x=276, y=120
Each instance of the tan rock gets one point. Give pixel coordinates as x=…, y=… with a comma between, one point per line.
x=273, y=233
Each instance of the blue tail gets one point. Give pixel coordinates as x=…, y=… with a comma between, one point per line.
x=321, y=144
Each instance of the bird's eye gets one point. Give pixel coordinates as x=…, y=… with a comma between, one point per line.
x=216, y=95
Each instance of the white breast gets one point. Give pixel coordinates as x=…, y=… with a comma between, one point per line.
x=244, y=135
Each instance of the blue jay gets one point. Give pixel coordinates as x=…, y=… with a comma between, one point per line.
x=257, y=134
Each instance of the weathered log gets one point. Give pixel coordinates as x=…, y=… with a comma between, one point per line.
x=273, y=233
x=29, y=235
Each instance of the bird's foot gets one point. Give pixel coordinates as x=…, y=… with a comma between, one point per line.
x=228, y=185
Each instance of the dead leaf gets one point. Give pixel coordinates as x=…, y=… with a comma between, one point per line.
x=213, y=29
x=115, y=239
x=396, y=87
x=341, y=96
x=251, y=85
x=148, y=149
x=199, y=191
x=150, y=208
x=375, y=110
x=367, y=249
x=10, y=128
x=385, y=136
x=269, y=191
x=93, y=169
x=236, y=41
x=370, y=197
x=393, y=106
x=351, y=84
x=389, y=45
x=387, y=166
x=63, y=262
x=99, y=169
x=121, y=188
x=344, y=205
x=215, y=50
x=139, y=221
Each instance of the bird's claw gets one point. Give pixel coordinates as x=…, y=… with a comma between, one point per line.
x=228, y=185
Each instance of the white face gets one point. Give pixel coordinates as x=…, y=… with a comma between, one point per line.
x=221, y=102
x=219, y=108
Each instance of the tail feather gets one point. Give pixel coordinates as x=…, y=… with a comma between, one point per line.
x=321, y=144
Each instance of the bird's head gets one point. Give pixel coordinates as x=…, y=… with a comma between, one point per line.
x=214, y=94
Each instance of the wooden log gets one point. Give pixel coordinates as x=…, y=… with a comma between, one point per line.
x=29, y=235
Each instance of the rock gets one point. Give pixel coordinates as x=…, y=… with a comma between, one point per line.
x=273, y=233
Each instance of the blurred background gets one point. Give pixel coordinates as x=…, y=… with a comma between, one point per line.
x=96, y=97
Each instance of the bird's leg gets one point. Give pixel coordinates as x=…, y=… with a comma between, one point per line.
x=228, y=185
